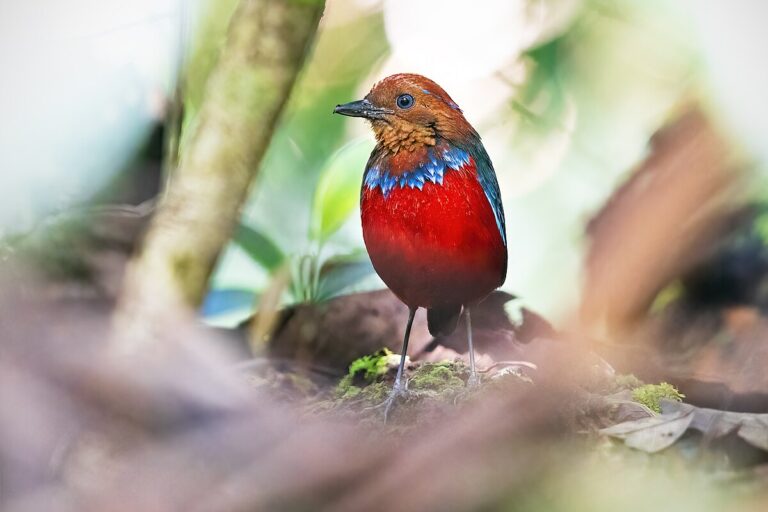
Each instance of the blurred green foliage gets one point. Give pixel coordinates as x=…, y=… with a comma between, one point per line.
x=338, y=189
x=618, y=479
x=260, y=248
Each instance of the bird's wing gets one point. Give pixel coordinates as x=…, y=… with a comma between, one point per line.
x=487, y=177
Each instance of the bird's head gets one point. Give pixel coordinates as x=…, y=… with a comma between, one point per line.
x=409, y=111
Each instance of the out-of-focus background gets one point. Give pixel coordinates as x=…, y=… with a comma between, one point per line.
x=564, y=93
x=629, y=142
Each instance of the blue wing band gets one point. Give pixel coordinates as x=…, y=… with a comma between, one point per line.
x=433, y=169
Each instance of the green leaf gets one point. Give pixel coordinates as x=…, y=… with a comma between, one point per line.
x=542, y=101
x=259, y=247
x=338, y=190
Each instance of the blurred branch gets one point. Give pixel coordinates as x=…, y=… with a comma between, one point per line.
x=662, y=221
x=265, y=47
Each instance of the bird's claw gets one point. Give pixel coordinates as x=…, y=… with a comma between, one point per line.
x=389, y=402
x=473, y=384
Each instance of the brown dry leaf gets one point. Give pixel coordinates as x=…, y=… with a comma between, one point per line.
x=654, y=433
x=752, y=428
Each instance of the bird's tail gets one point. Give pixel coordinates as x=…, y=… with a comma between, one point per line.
x=442, y=321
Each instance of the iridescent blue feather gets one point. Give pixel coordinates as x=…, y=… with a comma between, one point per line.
x=487, y=178
x=438, y=162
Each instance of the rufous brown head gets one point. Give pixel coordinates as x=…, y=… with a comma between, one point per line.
x=408, y=111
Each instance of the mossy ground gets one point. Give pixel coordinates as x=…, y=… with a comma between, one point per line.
x=437, y=393
x=424, y=380
x=434, y=389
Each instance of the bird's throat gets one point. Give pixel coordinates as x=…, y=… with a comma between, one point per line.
x=398, y=136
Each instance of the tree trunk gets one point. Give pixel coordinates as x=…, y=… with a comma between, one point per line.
x=266, y=44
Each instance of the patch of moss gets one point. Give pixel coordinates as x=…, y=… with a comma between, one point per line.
x=347, y=390
x=444, y=376
x=432, y=389
x=361, y=380
x=376, y=392
x=651, y=395
x=371, y=367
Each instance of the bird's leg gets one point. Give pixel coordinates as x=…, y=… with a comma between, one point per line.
x=474, y=379
x=399, y=388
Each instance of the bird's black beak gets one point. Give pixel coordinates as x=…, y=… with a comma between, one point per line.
x=361, y=108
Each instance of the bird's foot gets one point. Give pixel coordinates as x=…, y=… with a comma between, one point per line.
x=398, y=391
x=473, y=382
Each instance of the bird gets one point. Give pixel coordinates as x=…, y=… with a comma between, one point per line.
x=430, y=205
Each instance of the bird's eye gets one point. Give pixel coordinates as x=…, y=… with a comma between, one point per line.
x=405, y=101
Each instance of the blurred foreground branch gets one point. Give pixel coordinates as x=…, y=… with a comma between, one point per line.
x=662, y=221
x=265, y=47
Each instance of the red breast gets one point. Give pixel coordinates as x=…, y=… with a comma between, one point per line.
x=436, y=245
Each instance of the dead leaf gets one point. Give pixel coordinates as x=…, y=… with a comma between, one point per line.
x=654, y=433
x=752, y=428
